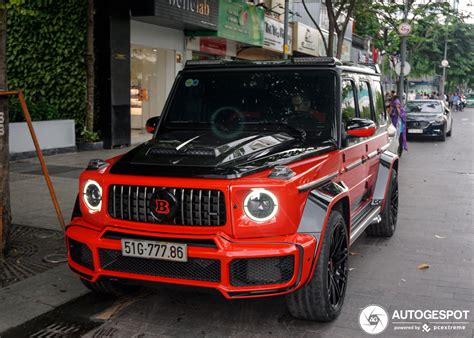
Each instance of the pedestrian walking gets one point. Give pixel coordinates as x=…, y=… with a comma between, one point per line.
x=398, y=116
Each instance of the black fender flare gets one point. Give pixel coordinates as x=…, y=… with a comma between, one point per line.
x=76, y=211
x=316, y=213
x=388, y=161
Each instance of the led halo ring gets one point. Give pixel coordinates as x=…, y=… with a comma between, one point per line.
x=84, y=195
x=252, y=194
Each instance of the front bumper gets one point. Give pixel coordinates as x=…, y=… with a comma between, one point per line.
x=433, y=129
x=238, y=269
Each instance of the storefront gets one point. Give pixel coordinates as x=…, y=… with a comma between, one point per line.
x=157, y=54
x=158, y=50
x=240, y=27
x=140, y=48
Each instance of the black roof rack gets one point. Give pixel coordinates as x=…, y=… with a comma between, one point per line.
x=317, y=60
x=320, y=60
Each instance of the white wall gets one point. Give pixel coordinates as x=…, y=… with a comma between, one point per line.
x=154, y=36
x=51, y=135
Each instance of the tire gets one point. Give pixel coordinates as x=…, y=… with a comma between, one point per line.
x=386, y=227
x=107, y=287
x=442, y=138
x=318, y=299
x=450, y=132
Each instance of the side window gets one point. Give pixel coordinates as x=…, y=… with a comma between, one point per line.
x=380, y=114
x=365, y=100
x=348, y=108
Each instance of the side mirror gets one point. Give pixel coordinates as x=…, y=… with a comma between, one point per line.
x=151, y=124
x=446, y=111
x=358, y=127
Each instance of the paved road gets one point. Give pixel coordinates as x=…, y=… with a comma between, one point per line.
x=437, y=200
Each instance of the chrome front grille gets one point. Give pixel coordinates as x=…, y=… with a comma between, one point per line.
x=196, y=207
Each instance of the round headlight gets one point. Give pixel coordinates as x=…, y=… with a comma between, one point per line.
x=260, y=205
x=92, y=195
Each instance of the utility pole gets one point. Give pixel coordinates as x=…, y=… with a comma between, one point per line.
x=403, y=56
x=286, y=48
x=444, y=64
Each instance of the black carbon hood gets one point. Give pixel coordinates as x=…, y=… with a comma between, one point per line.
x=202, y=154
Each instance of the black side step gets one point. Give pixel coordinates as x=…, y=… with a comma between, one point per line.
x=363, y=220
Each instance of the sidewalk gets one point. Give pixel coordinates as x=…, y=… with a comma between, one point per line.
x=32, y=206
x=30, y=199
x=37, y=295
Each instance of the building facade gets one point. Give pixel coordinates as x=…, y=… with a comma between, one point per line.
x=142, y=45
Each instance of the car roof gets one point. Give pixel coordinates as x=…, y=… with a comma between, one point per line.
x=314, y=62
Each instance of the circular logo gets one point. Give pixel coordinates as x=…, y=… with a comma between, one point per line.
x=404, y=29
x=373, y=319
x=162, y=206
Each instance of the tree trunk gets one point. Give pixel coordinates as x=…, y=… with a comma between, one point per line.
x=90, y=66
x=331, y=39
x=340, y=42
x=5, y=213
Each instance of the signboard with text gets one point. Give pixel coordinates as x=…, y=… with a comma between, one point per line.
x=274, y=35
x=307, y=40
x=212, y=46
x=240, y=21
x=184, y=14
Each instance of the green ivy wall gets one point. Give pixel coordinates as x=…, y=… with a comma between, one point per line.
x=46, y=43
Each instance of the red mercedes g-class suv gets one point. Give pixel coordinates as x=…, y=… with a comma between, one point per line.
x=258, y=178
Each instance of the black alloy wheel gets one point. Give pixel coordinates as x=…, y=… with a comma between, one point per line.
x=338, y=266
x=322, y=297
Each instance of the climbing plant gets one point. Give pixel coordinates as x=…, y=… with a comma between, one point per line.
x=46, y=43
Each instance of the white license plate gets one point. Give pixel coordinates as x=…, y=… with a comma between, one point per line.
x=155, y=250
x=415, y=131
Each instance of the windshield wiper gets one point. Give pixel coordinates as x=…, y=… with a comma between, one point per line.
x=331, y=141
x=300, y=133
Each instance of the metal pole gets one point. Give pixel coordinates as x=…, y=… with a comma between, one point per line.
x=403, y=58
x=285, y=30
x=39, y=152
x=443, y=79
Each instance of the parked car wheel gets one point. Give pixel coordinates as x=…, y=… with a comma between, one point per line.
x=108, y=287
x=322, y=297
x=387, y=225
x=450, y=132
x=442, y=138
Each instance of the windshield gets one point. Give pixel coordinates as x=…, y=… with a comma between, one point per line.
x=427, y=107
x=232, y=102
